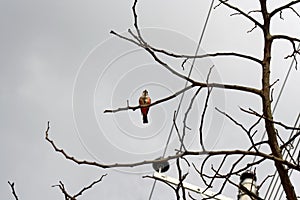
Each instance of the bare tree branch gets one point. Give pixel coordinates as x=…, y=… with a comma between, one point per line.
x=195, y=83
x=231, y=87
x=283, y=7
x=168, y=184
x=185, y=56
x=178, y=155
x=209, y=85
x=64, y=191
x=217, y=54
x=89, y=186
x=74, y=197
x=181, y=178
x=295, y=11
x=136, y=22
x=217, y=172
x=95, y=164
x=209, y=90
x=12, y=186
x=290, y=140
x=250, y=111
x=242, y=13
x=252, y=29
x=187, y=112
x=240, y=125
x=265, y=179
x=181, y=139
x=152, y=104
x=292, y=40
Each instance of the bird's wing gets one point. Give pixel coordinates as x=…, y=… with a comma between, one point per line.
x=141, y=101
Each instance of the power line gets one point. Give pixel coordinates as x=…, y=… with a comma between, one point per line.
x=190, y=72
x=186, y=84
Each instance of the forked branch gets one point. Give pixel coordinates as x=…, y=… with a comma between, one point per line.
x=178, y=155
x=242, y=13
x=286, y=6
x=74, y=197
x=12, y=186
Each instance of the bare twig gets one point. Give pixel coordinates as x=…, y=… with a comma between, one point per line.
x=295, y=11
x=254, y=11
x=209, y=90
x=292, y=40
x=181, y=179
x=265, y=179
x=191, y=196
x=288, y=5
x=90, y=186
x=252, y=29
x=187, y=112
x=136, y=22
x=168, y=184
x=242, y=13
x=274, y=83
x=217, y=171
x=183, y=63
x=64, y=191
x=280, y=15
x=178, y=134
x=290, y=140
x=241, y=126
x=12, y=186
x=74, y=197
x=250, y=111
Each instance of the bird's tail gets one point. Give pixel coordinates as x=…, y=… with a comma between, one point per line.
x=145, y=119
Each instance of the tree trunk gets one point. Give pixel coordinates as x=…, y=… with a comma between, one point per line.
x=267, y=111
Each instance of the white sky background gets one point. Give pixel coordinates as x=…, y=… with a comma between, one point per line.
x=44, y=43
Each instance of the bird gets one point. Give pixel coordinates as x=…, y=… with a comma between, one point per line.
x=144, y=101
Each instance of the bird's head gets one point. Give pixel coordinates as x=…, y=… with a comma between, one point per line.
x=145, y=93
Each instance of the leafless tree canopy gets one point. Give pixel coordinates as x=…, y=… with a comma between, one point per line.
x=237, y=157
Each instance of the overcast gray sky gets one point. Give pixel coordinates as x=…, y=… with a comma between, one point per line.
x=58, y=62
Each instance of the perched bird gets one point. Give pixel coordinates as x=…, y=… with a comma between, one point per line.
x=144, y=100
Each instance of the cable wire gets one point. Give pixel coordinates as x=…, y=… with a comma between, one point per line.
x=190, y=72
x=186, y=84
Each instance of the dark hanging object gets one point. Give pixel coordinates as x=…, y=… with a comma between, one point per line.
x=161, y=166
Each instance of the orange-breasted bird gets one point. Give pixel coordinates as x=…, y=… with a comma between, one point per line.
x=145, y=100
